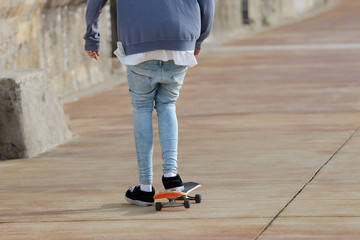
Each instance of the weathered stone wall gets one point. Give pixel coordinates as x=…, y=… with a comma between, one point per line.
x=48, y=34
x=262, y=13
x=32, y=119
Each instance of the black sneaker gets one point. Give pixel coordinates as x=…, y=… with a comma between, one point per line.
x=173, y=183
x=135, y=196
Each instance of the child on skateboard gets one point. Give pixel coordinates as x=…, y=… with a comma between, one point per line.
x=157, y=40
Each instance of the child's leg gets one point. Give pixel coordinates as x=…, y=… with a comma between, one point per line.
x=143, y=92
x=166, y=96
x=168, y=133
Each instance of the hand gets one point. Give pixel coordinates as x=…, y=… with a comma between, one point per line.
x=197, y=52
x=93, y=54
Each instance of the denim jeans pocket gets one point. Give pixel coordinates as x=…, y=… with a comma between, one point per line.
x=179, y=76
x=141, y=74
x=140, y=80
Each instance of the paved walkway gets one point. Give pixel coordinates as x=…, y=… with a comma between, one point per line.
x=268, y=125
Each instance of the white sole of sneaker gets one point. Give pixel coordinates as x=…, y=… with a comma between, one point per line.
x=139, y=203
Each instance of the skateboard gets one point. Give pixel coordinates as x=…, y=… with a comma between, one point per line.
x=178, y=199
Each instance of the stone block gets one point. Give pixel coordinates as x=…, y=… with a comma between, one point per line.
x=32, y=118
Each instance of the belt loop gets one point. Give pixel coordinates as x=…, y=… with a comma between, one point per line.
x=160, y=63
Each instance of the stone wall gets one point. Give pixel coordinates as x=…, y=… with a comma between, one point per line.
x=32, y=119
x=262, y=13
x=48, y=34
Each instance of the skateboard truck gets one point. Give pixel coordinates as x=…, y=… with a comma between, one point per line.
x=178, y=199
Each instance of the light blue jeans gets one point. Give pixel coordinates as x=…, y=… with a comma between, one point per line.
x=155, y=84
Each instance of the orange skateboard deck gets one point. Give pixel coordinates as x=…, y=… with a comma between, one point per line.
x=176, y=198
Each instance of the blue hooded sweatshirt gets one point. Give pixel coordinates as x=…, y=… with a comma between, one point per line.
x=148, y=25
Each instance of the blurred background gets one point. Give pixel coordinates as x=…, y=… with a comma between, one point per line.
x=49, y=34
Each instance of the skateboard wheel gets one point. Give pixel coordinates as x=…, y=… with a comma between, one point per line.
x=158, y=206
x=198, y=198
x=187, y=203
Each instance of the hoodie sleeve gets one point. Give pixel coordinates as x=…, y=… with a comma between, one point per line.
x=92, y=17
x=207, y=8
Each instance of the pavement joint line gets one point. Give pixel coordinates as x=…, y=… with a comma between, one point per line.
x=289, y=217
x=339, y=46
x=307, y=183
x=256, y=113
x=130, y=219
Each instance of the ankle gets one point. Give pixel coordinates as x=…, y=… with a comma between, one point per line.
x=146, y=187
x=170, y=174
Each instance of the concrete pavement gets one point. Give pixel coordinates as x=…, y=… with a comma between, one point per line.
x=272, y=134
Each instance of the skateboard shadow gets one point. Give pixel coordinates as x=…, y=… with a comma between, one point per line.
x=129, y=209
x=107, y=210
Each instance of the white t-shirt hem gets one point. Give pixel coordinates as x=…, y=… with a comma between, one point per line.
x=183, y=58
